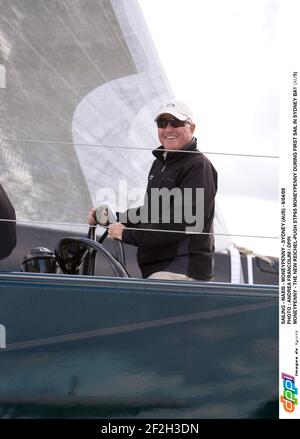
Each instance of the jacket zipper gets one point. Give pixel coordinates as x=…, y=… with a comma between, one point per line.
x=165, y=160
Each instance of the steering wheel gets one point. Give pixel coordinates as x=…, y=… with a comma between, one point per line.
x=89, y=261
x=74, y=251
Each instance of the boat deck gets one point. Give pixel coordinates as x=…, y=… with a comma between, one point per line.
x=80, y=346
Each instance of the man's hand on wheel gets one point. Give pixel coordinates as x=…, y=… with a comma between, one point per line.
x=102, y=215
x=115, y=231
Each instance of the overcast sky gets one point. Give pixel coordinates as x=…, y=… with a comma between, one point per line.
x=222, y=58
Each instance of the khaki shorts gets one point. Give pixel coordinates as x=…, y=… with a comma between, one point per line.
x=168, y=275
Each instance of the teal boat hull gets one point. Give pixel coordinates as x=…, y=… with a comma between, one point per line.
x=97, y=347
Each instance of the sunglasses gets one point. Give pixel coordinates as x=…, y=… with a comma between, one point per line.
x=175, y=123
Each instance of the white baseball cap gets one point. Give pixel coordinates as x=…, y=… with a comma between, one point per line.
x=177, y=108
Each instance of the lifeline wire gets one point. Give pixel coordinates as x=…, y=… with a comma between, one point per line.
x=56, y=142
x=142, y=230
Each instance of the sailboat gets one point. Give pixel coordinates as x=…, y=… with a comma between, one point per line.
x=82, y=80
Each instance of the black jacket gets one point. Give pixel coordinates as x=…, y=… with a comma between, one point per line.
x=7, y=229
x=190, y=254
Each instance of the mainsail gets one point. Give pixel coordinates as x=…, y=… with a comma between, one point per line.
x=82, y=81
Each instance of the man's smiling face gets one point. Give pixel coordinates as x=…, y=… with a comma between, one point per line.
x=175, y=138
